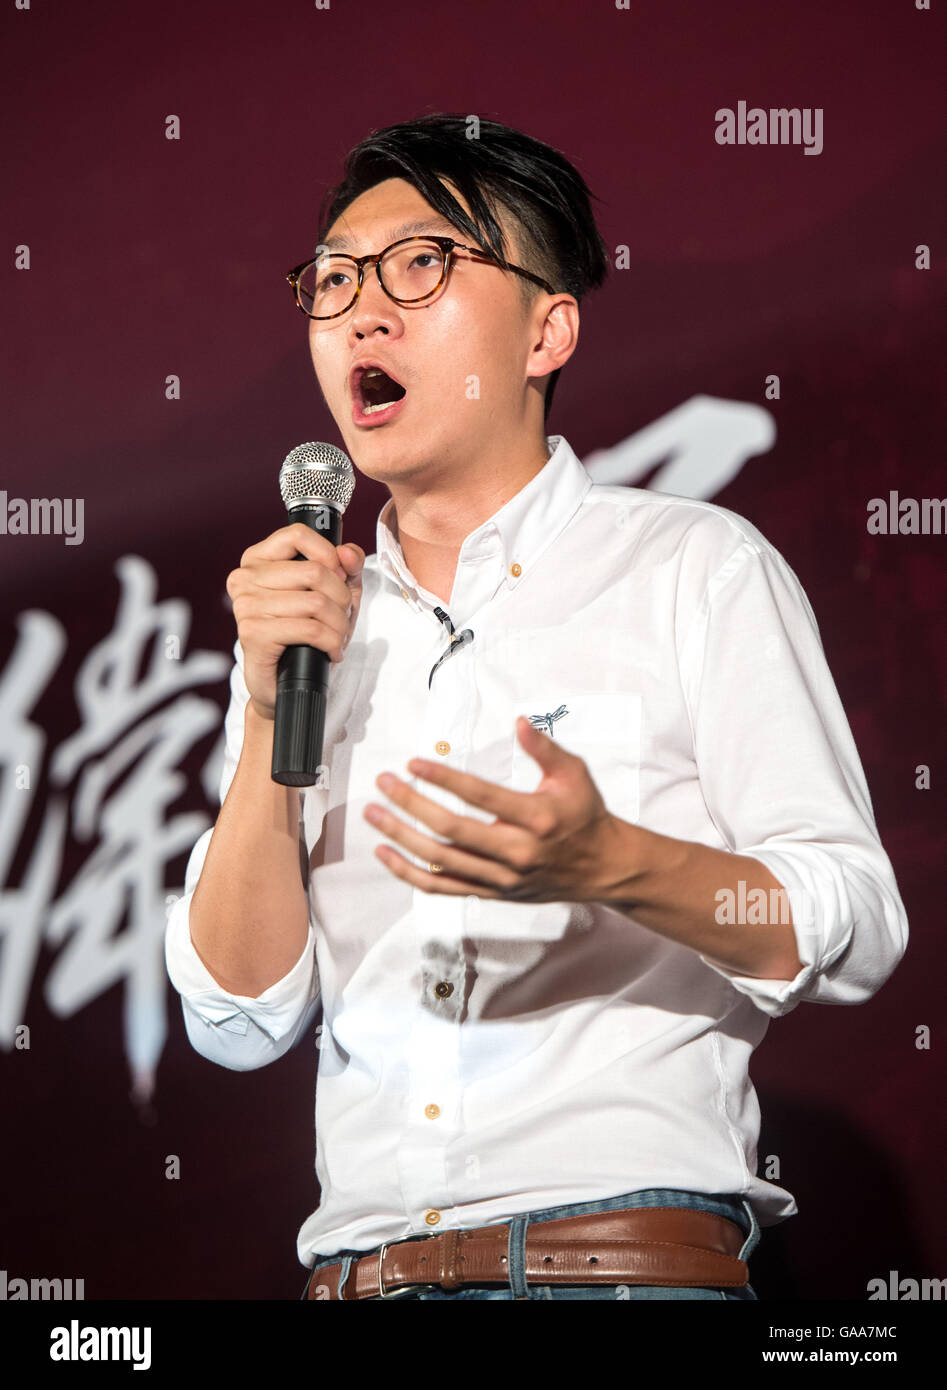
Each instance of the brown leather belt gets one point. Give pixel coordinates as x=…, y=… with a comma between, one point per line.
x=645, y=1245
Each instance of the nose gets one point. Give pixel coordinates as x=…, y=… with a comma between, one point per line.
x=373, y=308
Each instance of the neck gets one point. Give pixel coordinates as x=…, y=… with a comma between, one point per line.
x=432, y=517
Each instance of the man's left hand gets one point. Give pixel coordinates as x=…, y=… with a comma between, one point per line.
x=550, y=845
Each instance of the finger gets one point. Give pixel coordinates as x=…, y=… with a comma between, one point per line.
x=474, y=868
x=269, y=637
x=295, y=539
x=353, y=561
x=529, y=810
x=507, y=843
x=426, y=881
x=353, y=558
x=297, y=574
x=287, y=603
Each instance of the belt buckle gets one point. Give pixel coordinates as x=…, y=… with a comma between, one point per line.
x=408, y=1288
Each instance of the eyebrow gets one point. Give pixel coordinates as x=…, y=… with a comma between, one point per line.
x=426, y=224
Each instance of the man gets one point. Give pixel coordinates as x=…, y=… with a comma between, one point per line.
x=639, y=827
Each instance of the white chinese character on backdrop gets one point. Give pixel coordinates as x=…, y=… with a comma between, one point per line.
x=110, y=784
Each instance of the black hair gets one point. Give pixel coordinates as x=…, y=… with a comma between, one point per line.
x=545, y=195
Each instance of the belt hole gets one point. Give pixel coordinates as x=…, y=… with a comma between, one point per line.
x=593, y=1259
x=547, y=1259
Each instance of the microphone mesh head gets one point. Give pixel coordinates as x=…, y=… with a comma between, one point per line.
x=314, y=474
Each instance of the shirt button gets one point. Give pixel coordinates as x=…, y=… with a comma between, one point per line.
x=443, y=989
x=432, y=1217
x=432, y=1111
x=404, y=593
x=516, y=571
x=442, y=747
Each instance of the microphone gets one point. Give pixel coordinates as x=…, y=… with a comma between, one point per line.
x=316, y=482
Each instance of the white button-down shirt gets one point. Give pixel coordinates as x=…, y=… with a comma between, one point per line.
x=481, y=1058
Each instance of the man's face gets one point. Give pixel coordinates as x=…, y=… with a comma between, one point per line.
x=462, y=355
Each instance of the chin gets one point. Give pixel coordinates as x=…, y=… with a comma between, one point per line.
x=372, y=459
x=381, y=448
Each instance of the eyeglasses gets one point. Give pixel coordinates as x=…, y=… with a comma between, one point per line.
x=409, y=271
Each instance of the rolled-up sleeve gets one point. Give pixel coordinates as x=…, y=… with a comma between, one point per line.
x=784, y=784
x=233, y=1030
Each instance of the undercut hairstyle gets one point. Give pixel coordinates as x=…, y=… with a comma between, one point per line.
x=539, y=188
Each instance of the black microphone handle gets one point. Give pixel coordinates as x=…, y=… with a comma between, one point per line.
x=302, y=680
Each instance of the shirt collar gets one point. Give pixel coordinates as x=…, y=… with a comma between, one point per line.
x=515, y=535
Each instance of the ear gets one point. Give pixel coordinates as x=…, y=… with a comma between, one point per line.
x=555, y=331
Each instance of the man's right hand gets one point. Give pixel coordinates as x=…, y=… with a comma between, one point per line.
x=280, y=602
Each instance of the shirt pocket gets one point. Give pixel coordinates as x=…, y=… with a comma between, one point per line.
x=602, y=727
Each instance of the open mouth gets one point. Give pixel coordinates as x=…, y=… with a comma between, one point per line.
x=375, y=390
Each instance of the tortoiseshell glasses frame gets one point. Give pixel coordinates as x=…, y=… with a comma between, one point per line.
x=446, y=245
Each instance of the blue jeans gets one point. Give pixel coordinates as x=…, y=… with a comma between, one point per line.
x=733, y=1207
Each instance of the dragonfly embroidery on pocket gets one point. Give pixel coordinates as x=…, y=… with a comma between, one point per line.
x=546, y=721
